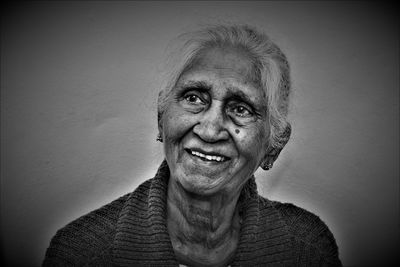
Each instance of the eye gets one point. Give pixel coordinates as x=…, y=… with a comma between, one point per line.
x=193, y=99
x=240, y=110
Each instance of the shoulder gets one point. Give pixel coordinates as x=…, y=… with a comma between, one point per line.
x=306, y=228
x=89, y=238
x=79, y=241
x=297, y=218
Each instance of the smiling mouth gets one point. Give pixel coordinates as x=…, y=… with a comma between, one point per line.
x=207, y=157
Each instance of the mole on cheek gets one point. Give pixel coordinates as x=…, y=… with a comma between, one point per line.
x=237, y=131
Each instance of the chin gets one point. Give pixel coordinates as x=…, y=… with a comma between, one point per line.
x=200, y=185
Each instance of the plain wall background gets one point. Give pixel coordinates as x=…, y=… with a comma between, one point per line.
x=79, y=83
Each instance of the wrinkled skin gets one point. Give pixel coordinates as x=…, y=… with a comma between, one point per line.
x=207, y=112
x=216, y=110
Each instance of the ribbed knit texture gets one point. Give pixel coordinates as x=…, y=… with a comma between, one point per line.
x=132, y=231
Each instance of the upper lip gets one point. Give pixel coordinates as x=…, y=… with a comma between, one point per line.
x=211, y=153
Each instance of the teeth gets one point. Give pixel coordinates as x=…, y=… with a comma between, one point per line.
x=208, y=157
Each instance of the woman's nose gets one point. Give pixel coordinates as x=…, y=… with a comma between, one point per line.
x=211, y=126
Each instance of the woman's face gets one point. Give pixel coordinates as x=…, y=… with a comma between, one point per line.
x=215, y=126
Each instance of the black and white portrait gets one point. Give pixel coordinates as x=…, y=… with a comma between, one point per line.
x=199, y=133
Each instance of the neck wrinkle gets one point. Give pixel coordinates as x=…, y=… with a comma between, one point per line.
x=209, y=214
x=247, y=208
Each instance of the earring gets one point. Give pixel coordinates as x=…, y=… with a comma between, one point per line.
x=159, y=138
x=266, y=166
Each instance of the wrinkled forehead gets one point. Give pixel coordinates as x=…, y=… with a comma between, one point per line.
x=235, y=59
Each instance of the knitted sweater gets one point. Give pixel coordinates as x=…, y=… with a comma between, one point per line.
x=132, y=231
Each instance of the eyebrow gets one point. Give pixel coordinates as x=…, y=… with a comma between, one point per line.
x=197, y=85
x=235, y=93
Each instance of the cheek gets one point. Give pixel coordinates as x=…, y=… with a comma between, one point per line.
x=175, y=124
x=251, y=143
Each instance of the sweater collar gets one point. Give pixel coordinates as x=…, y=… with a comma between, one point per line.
x=141, y=236
x=156, y=199
x=248, y=205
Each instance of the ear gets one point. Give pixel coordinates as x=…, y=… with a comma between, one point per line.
x=159, y=123
x=269, y=158
x=160, y=128
x=159, y=112
x=272, y=153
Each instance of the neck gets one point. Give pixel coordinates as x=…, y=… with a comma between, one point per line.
x=203, y=230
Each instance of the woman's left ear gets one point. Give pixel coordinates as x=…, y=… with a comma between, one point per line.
x=272, y=153
x=270, y=156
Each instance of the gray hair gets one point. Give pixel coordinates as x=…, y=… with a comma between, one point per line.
x=270, y=64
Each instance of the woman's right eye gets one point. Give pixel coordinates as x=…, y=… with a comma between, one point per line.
x=193, y=99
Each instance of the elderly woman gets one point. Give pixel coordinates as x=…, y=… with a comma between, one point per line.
x=222, y=115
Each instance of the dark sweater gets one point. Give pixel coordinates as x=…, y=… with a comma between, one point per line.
x=132, y=231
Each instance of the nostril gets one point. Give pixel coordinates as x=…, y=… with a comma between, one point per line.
x=211, y=133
